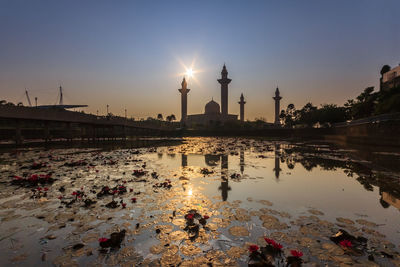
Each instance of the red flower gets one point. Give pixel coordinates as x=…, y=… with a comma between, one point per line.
x=206, y=217
x=269, y=241
x=60, y=197
x=103, y=239
x=39, y=189
x=253, y=248
x=74, y=193
x=115, y=191
x=45, y=189
x=123, y=205
x=189, y=216
x=131, y=190
x=133, y=200
x=17, y=177
x=346, y=243
x=296, y=253
x=277, y=246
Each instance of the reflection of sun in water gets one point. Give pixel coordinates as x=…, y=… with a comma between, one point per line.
x=189, y=73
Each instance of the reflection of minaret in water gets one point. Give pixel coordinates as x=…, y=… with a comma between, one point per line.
x=277, y=168
x=224, y=178
x=241, y=153
x=184, y=160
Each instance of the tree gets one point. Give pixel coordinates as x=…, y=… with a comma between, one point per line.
x=385, y=69
x=171, y=118
x=160, y=117
x=388, y=101
x=331, y=113
x=307, y=115
x=364, y=104
x=289, y=116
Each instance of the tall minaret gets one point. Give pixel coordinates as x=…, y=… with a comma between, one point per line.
x=277, y=99
x=242, y=102
x=224, y=81
x=184, y=91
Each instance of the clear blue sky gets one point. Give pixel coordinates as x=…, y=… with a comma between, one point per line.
x=127, y=53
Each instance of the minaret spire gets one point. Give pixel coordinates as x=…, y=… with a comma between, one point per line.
x=224, y=81
x=277, y=99
x=242, y=102
x=184, y=91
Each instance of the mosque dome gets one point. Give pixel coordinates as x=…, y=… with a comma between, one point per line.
x=212, y=107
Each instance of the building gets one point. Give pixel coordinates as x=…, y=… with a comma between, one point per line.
x=277, y=99
x=390, y=78
x=213, y=113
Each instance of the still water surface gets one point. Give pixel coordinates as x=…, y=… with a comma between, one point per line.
x=298, y=193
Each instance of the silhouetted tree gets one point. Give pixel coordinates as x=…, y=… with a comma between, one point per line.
x=364, y=104
x=385, y=69
x=307, y=115
x=331, y=113
x=171, y=118
x=388, y=101
x=160, y=117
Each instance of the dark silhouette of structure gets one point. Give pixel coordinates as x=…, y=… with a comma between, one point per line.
x=224, y=81
x=212, y=112
x=241, y=155
x=224, y=178
x=184, y=160
x=184, y=91
x=277, y=99
x=242, y=102
x=277, y=168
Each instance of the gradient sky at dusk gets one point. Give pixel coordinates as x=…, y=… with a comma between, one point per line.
x=127, y=53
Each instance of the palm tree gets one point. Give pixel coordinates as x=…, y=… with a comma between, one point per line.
x=160, y=117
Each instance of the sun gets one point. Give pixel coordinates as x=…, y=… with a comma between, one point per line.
x=189, y=73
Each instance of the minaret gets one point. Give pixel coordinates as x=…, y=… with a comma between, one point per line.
x=224, y=178
x=277, y=99
x=184, y=160
x=224, y=81
x=241, y=162
x=242, y=102
x=184, y=91
x=277, y=168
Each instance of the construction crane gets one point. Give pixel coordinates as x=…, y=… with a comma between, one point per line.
x=60, y=104
x=27, y=97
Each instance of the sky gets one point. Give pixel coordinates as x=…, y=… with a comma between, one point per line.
x=132, y=54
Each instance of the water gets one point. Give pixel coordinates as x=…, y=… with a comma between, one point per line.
x=297, y=193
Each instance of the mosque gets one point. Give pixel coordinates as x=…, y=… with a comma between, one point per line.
x=213, y=113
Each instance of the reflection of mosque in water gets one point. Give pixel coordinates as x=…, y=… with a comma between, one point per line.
x=214, y=160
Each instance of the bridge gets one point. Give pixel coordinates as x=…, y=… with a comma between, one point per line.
x=18, y=123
